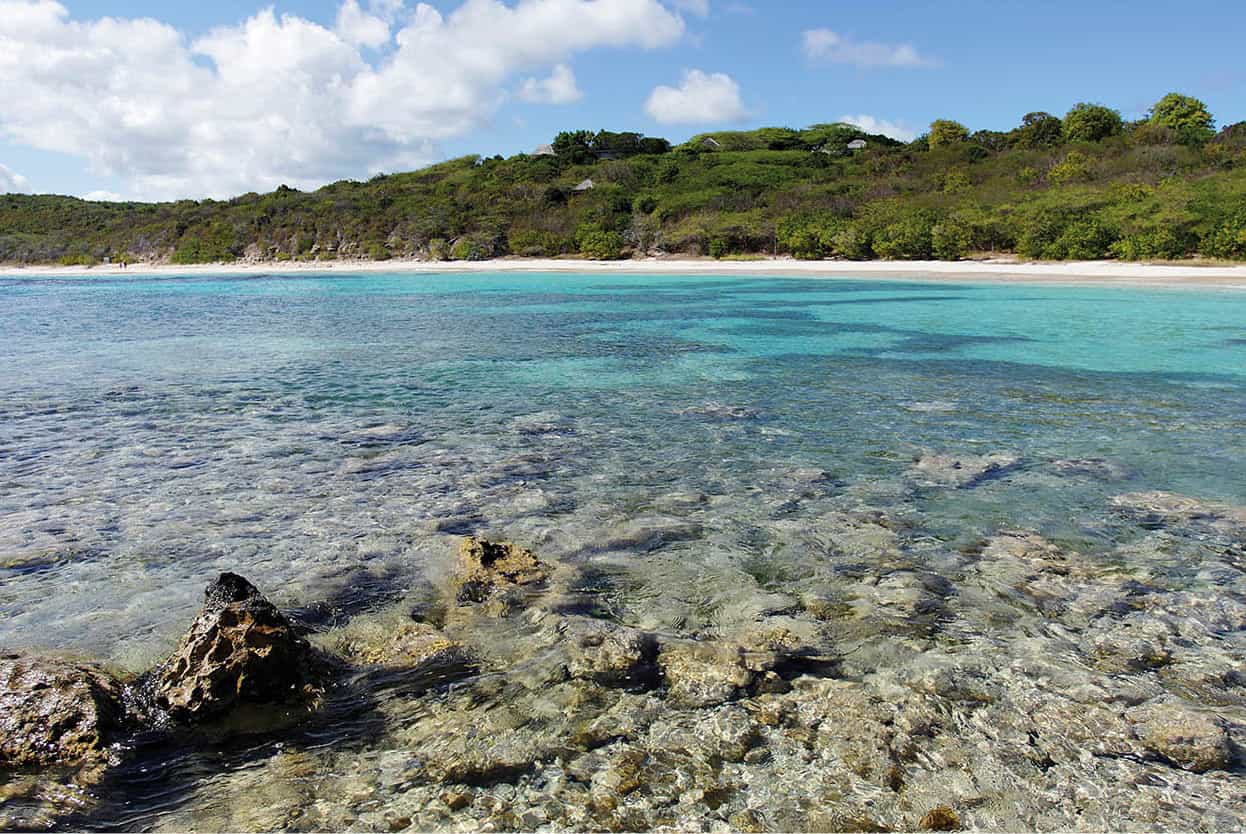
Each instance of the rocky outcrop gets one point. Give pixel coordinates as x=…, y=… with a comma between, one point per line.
x=239, y=650
x=490, y=572
x=702, y=675
x=54, y=712
x=963, y=471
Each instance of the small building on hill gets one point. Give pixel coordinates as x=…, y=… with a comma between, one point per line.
x=857, y=145
x=709, y=143
x=545, y=150
x=587, y=185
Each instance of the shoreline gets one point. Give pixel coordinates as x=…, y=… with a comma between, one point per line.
x=1087, y=273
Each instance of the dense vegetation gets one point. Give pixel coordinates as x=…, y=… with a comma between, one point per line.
x=1085, y=186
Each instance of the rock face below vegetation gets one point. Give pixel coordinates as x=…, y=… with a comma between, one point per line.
x=240, y=649
x=53, y=712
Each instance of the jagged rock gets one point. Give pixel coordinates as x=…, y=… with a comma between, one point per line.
x=701, y=675
x=964, y=471
x=240, y=649
x=941, y=818
x=1191, y=740
x=610, y=654
x=486, y=568
x=54, y=712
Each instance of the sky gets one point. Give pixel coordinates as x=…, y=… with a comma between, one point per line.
x=139, y=99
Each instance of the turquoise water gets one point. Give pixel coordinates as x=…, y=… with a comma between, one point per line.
x=328, y=436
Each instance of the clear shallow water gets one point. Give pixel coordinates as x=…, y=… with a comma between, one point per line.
x=328, y=437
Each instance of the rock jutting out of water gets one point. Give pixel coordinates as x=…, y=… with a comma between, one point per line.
x=55, y=712
x=239, y=650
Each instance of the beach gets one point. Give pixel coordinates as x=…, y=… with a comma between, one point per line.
x=1084, y=273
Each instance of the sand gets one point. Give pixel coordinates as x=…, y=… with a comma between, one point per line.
x=1095, y=273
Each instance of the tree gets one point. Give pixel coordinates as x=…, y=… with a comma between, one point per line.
x=1091, y=123
x=1040, y=130
x=945, y=133
x=1186, y=115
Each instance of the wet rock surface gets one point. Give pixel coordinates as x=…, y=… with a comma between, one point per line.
x=55, y=712
x=963, y=471
x=239, y=650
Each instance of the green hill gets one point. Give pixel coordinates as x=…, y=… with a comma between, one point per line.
x=1086, y=186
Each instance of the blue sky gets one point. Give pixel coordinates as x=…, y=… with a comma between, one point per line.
x=219, y=98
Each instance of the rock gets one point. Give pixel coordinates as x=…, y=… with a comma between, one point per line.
x=411, y=645
x=701, y=675
x=1191, y=740
x=239, y=650
x=941, y=818
x=1167, y=507
x=965, y=471
x=609, y=654
x=486, y=568
x=1097, y=468
x=54, y=712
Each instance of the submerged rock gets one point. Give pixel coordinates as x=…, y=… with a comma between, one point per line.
x=609, y=654
x=701, y=675
x=240, y=649
x=964, y=471
x=410, y=645
x=1190, y=739
x=487, y=568
x=54, y=712
x=1097, y=468
x=1168, y=507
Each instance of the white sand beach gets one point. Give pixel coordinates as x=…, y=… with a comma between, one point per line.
x=1077, y=273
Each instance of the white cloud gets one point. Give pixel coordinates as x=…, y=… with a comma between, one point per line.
x=559, y=88
x=280, y=99
x=825, y=45
x=103, y=197
x=896, y=130
x=355, y=26
x=12, y=182
x=702, y=98
x=700, y=8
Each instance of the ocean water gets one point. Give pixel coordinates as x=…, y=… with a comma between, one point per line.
x=329, y=437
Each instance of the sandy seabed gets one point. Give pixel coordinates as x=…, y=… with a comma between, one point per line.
x=1078, y=273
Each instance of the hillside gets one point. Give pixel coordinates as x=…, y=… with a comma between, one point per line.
x=1087, y=186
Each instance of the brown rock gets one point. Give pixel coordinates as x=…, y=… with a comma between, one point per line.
x=1191, y=740
x=609, y=654
x=487, y=567
x=239, y=650
x=53, y=712
x=410, y=645
x=941, y=818
x=701, y=675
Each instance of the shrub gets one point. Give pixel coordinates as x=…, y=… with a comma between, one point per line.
x=1092, y=123
x=438, y=249
x=1162, y=243
x=951, y=239
x=599, y=244
x=718, y=248
x=1185, y=115
x=909, y=238
x=946, y=133
x=1075, y=167
x=1085, y=239
x=1039, y=130
x=379, y=252
x=470, y=248
x=1227, y=240
x=535, y=243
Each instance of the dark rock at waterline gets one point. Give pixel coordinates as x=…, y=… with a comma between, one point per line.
x=239, y=650
x=610, y=654
x=54, y=712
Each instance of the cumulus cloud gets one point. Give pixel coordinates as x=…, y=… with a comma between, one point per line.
x=11, y=182
x=281, y=99
x=103, y=197
x=702, y=98
x=826, y=45
x=559, y=88
x=896, y=130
